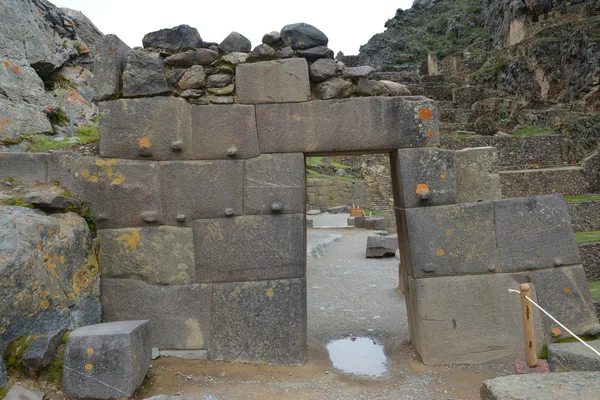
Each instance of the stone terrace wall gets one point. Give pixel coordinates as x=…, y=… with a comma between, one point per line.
x=332, y=192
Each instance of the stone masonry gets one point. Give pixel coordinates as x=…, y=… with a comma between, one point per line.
x=331, y=192
x=202, y=209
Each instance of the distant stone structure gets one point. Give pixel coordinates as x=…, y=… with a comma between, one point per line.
x=199, y=197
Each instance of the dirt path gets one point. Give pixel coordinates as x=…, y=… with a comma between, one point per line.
x=348, y=296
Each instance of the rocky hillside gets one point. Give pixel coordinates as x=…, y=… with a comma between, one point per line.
x=46, y=63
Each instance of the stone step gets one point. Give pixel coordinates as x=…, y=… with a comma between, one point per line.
x=514, y=152
x=585, y=215
x=569, y=181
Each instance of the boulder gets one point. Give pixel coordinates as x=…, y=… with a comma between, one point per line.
x=236, y=57
x=173, y=39
x=48, y=271
x=193, y=78
x=50, y=200
x=566, y=357
x=395, y=88
x=272, y=39
x=375, y=223
x=107, y=360
x=382, y=246
x=303, y=36
x=334, y=88
x=570, y=385
x=315, y=53
x=370, y=88
x=358, y=72
x=144, y=74
x=286, y=52
x=219, y=80
x=108, y=66
x=42, y=350
x=192, y=57
x=262, y=51
x=322, y=69
x=235, y=42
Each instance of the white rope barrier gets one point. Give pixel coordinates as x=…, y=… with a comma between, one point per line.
x=555, y=320
x=97, y=380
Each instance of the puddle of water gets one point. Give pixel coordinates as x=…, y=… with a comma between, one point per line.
x=359, y=356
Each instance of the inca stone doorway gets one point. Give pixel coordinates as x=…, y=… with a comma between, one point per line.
x=200, y=210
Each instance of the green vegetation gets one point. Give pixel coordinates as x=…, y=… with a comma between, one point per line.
x=583, y=197
x=585, y=338
x=583, y=135
x=57, y=117
x=490, y=70
x=15, y=203
x=3, y=391
x=85, y=214
x=544, y=354
x=587, y=237
x=595, y=289
x=319, y=161
x=377, y=213
x=14, y=351
x=42, y=143
x=533, y=130
x=57, y=81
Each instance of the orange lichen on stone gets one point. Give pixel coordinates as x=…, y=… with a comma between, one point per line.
x=6, y=64
x=440, y=253
x=16, y=69
x=93, y=179
x=448, y=232
x=113, y=51
x=74, y=96
x=89, y=367
x=49, y=108
x=422, y=188
x=4, y=155
x=430, y=134
x=443, y=176
x=567, y=290
x=144, y=142
x=119, y=178
x=270, y=292
x=556, y=331
x=85, y=76
x=425, y=113
x=90, y=352
x=3, y=124
x=130, y=239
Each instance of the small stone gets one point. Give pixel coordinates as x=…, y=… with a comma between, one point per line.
x=235, y=57
x=235, y=42
x=192, y=93
x=229, y=89
x=395, y=88
x=340, y=172
x=232, y=151
x=175, y=75
x=173, y=39
x=424, y=195
x=218, y=80
x=262, y=51
x=229, y=212
x=322, y=69
x=358, y=72
x=334, y=88
x=45, y=199
x=177, y=145
x=202, y=101
x=192, y=57
x=42, y=350
x=180, y=217
x=315, y=53
x=303, y=36
x=219, y=70
x=220, y=99
x=272, y=39
x=194, y=78
x=286, y=52
x=370, y=88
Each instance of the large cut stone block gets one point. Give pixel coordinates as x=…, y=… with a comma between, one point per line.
x=120, y=193
x=477, y=176
x=107, y=361
x=179, y=315
x=25, y=167
x=162, y=255
x=369, y=123
x=201, y=189
x=425, y=177
x=382, y=246
x=109, y=63
x=279, y=81
x=445, y=328
x=565, y=294
x=156, y=128
x=250, y=248
x=262, y=322
x=224, y=132
x=274, y=183
x=534, y=233
x=452, y=240
x=565, y=357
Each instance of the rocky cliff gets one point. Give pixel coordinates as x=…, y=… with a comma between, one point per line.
x=45, y=64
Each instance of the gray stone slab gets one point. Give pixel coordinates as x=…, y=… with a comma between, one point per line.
x=382, y=246
x=156, y=128
x=570, y=385
x=26, y=167
x=201, y=189
x=161, y=255
x=427, y=177
x=144, y=74
x=565, y=294
x=534, y=233
x=477, y=177
x=371, y=123
x=452, y=240
x=279, y=81
x=566, y=357
x=107, y=361
x=119, y=193
x=42, y=350
x=259, y=322
x=20, y=392
x=360, y=222
x=179, y=315
x=375, y=223
x=109, y=62
x=224, y=132
x=250, y=248
x=275, y=183
x=444, y=328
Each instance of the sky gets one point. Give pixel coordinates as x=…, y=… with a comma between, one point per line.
x=347, y=24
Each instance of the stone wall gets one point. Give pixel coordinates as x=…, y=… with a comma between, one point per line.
x=585, y=215
x=590, y=255
x=332, y=192
x=570, y=181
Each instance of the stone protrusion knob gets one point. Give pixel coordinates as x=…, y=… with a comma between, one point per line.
x=144, y=151
x=177, y=145
x=180, y=217
x=276, y=207
x=149, y=216
x=229, y=212
x=425, y=195
x=232, y=151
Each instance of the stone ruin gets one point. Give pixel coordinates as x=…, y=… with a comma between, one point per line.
x=199, y=200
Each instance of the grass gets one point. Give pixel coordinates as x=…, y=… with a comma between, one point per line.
x=42, y=143
x=376, y=212
x=533, y=130
x=595, y=289
x=587, y=237
x=319, y=161
x=583, y=197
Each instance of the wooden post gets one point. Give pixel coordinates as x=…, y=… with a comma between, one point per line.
x=528, y=333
